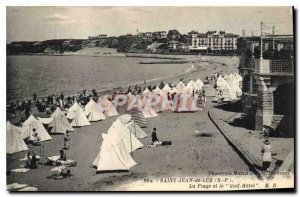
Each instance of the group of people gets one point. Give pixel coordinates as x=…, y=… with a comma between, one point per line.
x=212, y=78
x=137, y=90
x=32, y=163
x=32, y=159
x=49, y=103
x=23, y=106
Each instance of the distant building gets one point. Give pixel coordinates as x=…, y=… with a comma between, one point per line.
x=173, y=34
x=101, y=36
x=156, y=34
x=212, y=40
x=160, y=34
x=268, y=82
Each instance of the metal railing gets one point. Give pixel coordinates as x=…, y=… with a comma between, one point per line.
x=282, y=66
x=268, y=66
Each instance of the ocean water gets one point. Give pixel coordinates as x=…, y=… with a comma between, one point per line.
x=71, y=74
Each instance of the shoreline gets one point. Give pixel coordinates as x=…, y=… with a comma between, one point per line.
x=127, y=54
x=108, y=90
x=197, y=68
x=190, y=59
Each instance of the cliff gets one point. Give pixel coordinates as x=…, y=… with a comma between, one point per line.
x=62, y=46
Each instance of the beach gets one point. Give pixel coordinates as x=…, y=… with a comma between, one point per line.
x=150, y=98
x=188, y=155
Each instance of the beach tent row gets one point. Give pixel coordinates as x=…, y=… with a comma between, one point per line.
x=57, y=123
x=154, y=103
x=230, y=86
x=180, y=88
x=120, y=140
x=148, y=105
x=92, y=112
x=15, y=136
x=14, y=140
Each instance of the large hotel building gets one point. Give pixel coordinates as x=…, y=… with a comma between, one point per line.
x=212, y=40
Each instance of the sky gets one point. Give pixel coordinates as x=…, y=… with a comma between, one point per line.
x=50, y=22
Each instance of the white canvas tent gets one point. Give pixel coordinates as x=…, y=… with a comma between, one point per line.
x=166, y=89
x=199, y=84
x=148, y=111
x=234, y=84
x=131, y=143
x=180, y=86
x=60, y=123
x=108, y=107
x=163, y=104
x=136, y=130
x=33, y=123
x=113, y=155
x=192, y=84
x=158, y=91
x=14, y=141
x=188, y=90
x=185, y=104
x=229, y=93
x=221, y=83
x=92, y=111
x=132, y=126
x=146, y=91
x=77, y=115
x=125, y=118
x=134, y=102
x=45, y=120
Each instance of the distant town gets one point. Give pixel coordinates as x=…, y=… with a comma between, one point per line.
x=172, y=41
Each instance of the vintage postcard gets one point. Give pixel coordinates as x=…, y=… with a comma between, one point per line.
x=150, y=98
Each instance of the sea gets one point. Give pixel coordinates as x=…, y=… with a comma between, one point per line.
x=45, y=75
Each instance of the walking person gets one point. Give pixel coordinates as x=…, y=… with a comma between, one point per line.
x=35, y=138
x=266, y=131
x=203, y=98
x=154, y=136
x=27, y=111
x=31, y=160
x=67, y=139
x=266, y=156
x=219, y=97
x=34, y=97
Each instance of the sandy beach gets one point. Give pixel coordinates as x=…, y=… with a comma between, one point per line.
x=188, y=155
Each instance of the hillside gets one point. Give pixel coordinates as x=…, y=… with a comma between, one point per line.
x=80, y=46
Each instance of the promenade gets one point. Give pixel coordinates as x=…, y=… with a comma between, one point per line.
x=248, y=143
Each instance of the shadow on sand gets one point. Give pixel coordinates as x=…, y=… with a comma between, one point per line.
x=235, y=106
x=243, y=121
